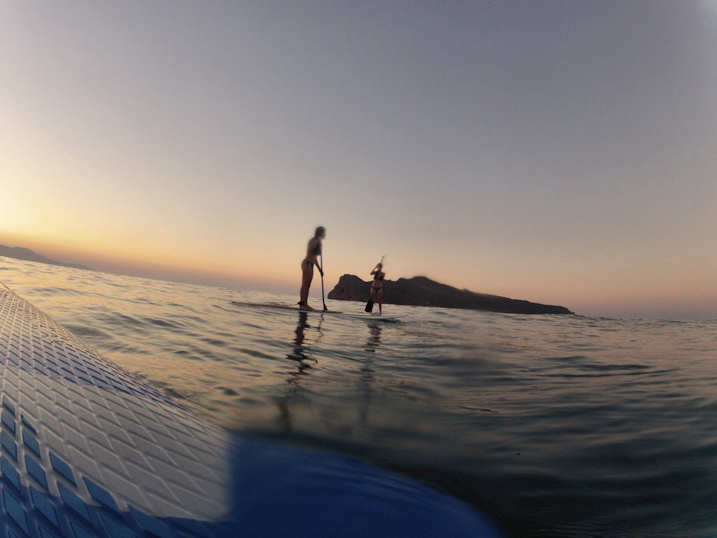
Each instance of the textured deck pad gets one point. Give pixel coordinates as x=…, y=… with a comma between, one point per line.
x=88, y=449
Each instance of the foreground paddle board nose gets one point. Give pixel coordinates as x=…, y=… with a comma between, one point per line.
x=88, y=449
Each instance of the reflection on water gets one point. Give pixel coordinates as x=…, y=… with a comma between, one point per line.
x=303, y=363
x=367, y=371
x=301, y=356
x=557, y=426
x=298, y=354
x=374, y=338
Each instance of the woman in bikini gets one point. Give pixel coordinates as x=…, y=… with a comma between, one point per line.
x=313, y=251
x=377, y=285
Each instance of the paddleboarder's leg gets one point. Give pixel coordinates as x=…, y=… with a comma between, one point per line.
x=307, y=274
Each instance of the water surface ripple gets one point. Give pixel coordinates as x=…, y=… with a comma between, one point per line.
x=556, y=426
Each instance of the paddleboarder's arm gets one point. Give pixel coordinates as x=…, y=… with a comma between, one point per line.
x=313, y=249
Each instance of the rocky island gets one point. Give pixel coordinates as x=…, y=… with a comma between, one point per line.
x=422, y=291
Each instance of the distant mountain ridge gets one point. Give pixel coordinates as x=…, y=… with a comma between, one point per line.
x=21, y=253
x=422, y=291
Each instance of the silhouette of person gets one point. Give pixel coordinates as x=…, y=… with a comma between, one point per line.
x=313, y=251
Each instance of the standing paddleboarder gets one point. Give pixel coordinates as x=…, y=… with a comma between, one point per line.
x=313, y=251
x=377, y=286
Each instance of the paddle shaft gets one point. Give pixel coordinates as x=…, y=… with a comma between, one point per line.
x=323, y=300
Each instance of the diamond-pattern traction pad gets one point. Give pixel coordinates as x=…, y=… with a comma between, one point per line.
x=88, y=449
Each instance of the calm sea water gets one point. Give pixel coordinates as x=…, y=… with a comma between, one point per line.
x=556, y=426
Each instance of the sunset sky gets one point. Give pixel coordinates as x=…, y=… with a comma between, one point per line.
x=559, y=151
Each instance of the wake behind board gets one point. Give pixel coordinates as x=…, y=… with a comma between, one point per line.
x=88, y=449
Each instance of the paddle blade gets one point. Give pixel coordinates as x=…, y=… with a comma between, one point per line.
x=369, y=306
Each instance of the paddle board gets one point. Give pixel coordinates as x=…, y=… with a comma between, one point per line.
x=378, y=319
x=278, y=306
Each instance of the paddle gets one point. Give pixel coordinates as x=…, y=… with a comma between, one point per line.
x=323, y=300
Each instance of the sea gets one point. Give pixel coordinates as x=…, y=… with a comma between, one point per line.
x=551, y=425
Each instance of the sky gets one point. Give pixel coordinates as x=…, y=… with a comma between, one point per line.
x=558, y=151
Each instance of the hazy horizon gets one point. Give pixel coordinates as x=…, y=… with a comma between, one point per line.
x=194, y=277
x=562, y=152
